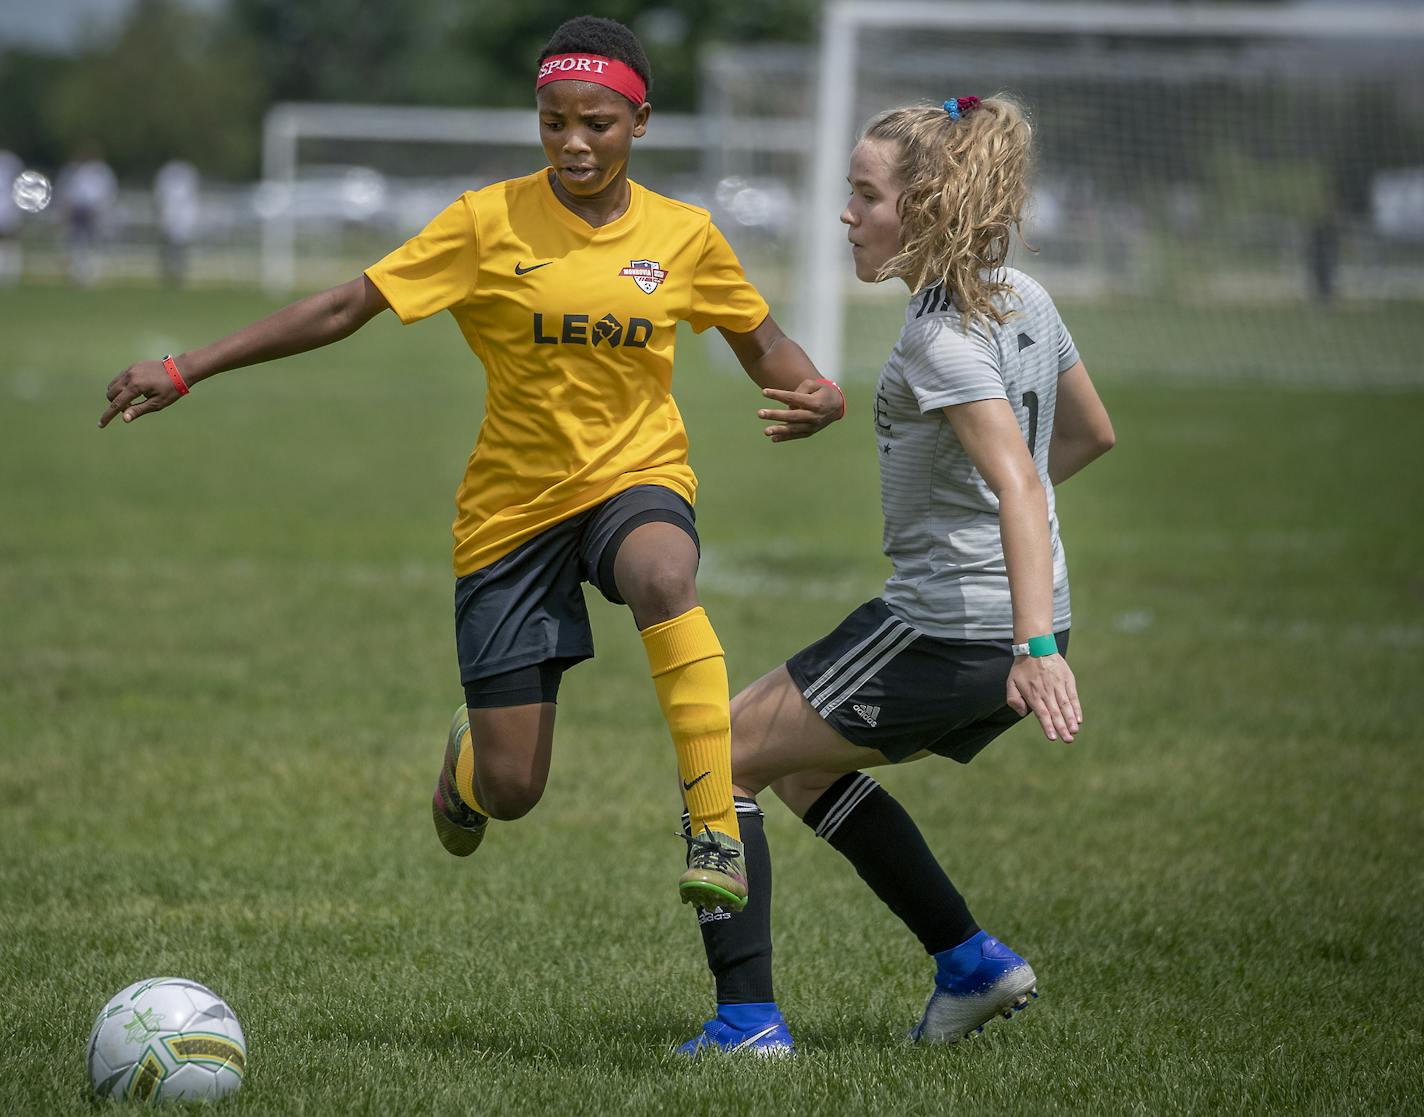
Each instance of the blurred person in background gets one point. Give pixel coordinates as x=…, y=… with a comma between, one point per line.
x=176, y=200
x=11, y=257
x=87, y=191
x=1323, y=257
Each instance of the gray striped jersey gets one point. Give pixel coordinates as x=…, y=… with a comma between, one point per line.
x=941, y=519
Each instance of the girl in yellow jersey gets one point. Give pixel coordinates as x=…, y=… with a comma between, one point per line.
x=568, y=285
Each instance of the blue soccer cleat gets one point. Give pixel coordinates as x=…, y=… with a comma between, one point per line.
x=976, y=981
x=755, y=1029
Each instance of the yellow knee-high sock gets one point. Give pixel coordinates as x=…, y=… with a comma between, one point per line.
x=465, y=773
x=690, y=675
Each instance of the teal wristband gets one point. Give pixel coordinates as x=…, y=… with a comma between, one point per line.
x=1042, y=645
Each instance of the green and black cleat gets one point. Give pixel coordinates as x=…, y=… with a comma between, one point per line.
x=716, y=874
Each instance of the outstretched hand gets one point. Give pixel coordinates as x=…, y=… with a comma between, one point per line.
x=1045, y=685
x=137, y=390
x=813, y=405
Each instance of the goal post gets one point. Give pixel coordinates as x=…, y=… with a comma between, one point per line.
x=1215, y=143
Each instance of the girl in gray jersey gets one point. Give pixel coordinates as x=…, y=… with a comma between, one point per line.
x=982, y=408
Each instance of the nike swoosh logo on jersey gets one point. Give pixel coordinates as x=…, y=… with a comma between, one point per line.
x=689, y=786
x=521, y=270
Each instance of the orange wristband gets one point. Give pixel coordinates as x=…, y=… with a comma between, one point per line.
x=174, y=375
x=837, y=387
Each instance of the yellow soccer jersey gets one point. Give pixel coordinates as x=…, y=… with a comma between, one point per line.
x=576, y=328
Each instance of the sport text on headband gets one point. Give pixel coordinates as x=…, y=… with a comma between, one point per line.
x=617, y=76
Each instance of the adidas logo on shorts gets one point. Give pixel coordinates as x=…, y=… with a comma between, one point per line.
x=868, y=714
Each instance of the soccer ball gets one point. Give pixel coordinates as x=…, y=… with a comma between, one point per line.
x=166, y=1038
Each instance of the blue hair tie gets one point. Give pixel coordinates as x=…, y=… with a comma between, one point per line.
x=958, y=106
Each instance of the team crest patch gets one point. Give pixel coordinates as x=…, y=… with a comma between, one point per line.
x=647, y=274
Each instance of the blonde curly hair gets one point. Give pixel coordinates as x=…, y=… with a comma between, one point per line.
x=965, y=183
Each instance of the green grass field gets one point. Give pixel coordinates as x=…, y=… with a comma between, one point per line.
x=226, y=669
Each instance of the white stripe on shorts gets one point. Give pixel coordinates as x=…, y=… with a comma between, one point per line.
x=851, y=798
x=890, y=629
x=902, y=641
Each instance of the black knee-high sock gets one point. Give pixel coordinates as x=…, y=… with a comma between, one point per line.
x=738, y=944
x=864, y=822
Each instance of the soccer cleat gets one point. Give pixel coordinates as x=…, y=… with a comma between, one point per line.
x=716, y=874
x=756, y=1029
x=976, y=981
x=459, y=828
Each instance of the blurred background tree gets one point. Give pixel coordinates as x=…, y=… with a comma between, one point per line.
x=173, y=82
x=174, y=78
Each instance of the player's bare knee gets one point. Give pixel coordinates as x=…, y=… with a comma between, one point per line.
x=662, y=592
x=510, y=774
x=510, y=797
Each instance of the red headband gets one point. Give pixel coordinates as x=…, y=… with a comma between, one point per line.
x=615, y=75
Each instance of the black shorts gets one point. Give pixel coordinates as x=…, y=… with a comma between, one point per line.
x=527, y=606
x=880, y=683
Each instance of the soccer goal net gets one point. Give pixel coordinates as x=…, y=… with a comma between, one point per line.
x=1221, y=191
x=344, y=184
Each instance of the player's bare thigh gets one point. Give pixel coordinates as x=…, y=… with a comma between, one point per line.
x=776, y=734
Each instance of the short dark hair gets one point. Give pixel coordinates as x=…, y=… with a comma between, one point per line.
x=596, y=35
